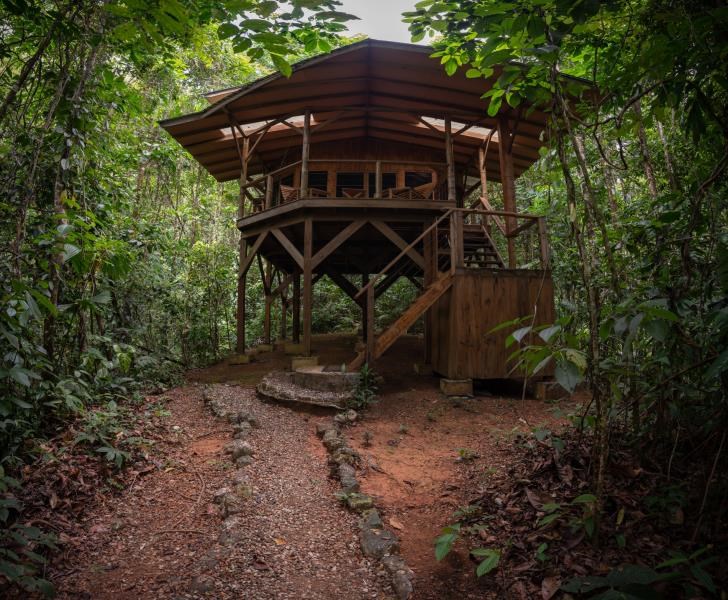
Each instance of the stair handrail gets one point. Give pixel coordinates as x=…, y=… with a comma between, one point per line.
x=404, y=251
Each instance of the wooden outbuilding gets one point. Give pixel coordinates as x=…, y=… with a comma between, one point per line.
x=371, y=164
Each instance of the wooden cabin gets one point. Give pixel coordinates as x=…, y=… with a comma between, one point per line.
x=370, y=164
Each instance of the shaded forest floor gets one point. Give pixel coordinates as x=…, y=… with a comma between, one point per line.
x=160, y=530
x=161, y=536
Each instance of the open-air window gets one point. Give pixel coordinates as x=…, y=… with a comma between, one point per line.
x=350, y=185
x=389, y=180
x=415, y=179
x=318, y=182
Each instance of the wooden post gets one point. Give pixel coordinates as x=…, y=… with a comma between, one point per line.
x=483, y=182
x=429, y=253
x=378, y=180
x=450, y=159
x=284, y=317
x=267, y=280
x=243, y=176
x=505, y=155
x=363, y=306
x=307, y=285
x=370, y=325
x=242, y=254
x=457, y=251
x=296, y=319
x=268, y=191
x=240, y=312
x=305, y=152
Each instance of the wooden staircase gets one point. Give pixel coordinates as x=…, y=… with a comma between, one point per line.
x=479, y=251
x=414, y=311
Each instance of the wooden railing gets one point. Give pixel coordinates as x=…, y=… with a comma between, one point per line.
x=445, y=238
x=260, y=190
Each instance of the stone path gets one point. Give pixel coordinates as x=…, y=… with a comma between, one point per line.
x=165, y=538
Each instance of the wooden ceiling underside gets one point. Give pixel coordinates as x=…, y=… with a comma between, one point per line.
x=369, y=90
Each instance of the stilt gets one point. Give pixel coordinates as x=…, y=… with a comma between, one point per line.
x=296, y=318
x=307, y=286
x=240, y=313
x=505, y=155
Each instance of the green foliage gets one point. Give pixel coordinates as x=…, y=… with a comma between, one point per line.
x=21, y=546
x=684, y=573
x=365, y=391
x=445, y=541
x=491, y=558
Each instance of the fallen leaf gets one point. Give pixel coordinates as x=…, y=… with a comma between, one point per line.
x=395, y=523
x=549, y=587
x=279, y=541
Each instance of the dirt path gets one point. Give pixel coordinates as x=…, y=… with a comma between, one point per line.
x=163, y=538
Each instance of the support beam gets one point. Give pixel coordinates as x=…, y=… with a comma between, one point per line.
x=344, y=285
x=305, y=150
x=371, y=341
x=296, y=319
x=267, y=283
x=395, y=238
x=288, y=246
x=246, y=261
x=450, y=159
x=378, y=180
x=240, y=311
x=307, y=285
x=335, y=242
x=505, y=146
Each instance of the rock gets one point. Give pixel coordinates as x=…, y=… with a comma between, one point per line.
x=240, y=476
x=217, y=409
x=333, y=441
x=243, y=491
x=231, y=504
x=322, y=428
x=351, y=415
x=241, y=435
x=244, y=426
x=239, y=448
x=359, y=502
x=402, y=585
x=371, y=520
x=201, y=585
x=244, y=416
x=232, y=531
x=219, y=494
x=394, y=563
x=347, y=477
x=243, y=461
x=344, y=455
x=377, y=543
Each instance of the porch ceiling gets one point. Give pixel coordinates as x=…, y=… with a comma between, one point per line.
x=368, y=90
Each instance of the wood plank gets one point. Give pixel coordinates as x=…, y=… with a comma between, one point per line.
x=508, y=183
x=397, y=240
x=344, y=285
x=307, y=286
x=296, y=306
x=413, y=312
x=335, y=242
x=247, y=260
x=289, y=247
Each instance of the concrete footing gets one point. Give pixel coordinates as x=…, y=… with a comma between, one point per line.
x=456, y=387
x=300, y=362
x=239, y=359
x=293, y=348
x=549, y=390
